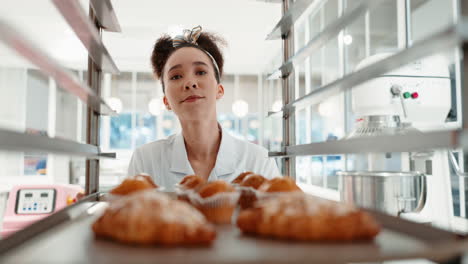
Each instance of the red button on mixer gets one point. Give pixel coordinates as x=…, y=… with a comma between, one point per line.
x=414, y=95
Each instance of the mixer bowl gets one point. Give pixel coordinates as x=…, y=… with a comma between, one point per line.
x=386, y=191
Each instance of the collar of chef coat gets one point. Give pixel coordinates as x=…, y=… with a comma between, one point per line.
x=225, y=161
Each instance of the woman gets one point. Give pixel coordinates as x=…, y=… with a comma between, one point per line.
x=190, y=67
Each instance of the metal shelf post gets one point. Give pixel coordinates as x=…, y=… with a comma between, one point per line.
x=92, y=133
x=289, y=163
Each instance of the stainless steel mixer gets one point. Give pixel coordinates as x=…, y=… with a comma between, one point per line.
x=390, y=192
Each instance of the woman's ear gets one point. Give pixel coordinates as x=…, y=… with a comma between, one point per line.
x=166, y=103
x=220, y=92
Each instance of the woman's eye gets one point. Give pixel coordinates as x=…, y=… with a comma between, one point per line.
x=176, y=77
x=201, y=72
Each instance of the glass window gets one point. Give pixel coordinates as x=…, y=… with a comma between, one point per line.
x=423, y=13
x=37, y=101
x=383, y=28
x=253, y=128
x=299, y=36
x=316, y=71
x=145, y=131
x=331, y=62
x=273, y=126
x=330, y=11
x=248, y=91
x=148, y=91
x=121, y=131
x=13, y=101
x=273, y=133
x=224, y=105
x=170, y=124
x=319, y=170
x=122, y=97
x=300, y=82
x=66, y=115
x=315, y=25
x=354, y=40
x=228, y=122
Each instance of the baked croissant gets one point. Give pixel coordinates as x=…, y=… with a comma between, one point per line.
x=149, y=217
x=303, y=217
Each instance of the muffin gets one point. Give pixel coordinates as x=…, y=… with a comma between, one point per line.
x=248, y=186
x=279, y=184
x=187, y=184
x=215, y=187
x=217, y=201
x=134, y=184
x=241, y=176
x=253, y=180
x=192, y=182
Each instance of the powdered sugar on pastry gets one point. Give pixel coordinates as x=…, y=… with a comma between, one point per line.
x=301, y=204
x=151, y=217
x=299, y=216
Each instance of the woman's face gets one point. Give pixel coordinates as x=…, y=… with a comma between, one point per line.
x=190, y=85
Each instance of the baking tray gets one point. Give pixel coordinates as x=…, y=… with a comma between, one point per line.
x=72, y=241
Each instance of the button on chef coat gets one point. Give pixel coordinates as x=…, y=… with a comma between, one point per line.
x=167, y=163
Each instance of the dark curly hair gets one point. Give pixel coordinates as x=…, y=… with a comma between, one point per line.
x=208, y=42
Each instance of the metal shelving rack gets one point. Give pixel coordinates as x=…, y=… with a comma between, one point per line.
x=451, y=37
x=88, y=30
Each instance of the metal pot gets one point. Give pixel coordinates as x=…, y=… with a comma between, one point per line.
x=387, y=191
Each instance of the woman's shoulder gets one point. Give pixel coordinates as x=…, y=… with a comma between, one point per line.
x=248, y=147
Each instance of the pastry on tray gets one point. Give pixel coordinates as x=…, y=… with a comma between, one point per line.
x=215, y=187
x=217, y=201
x=241, y=176
x=153, y=218
x=279, y=184
x=298, y=216
x=192, y=182
x=134, y=184
x=186, y=185
x=253, y=180
x=248, y=186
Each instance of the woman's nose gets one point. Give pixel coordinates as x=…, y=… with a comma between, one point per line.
x=190, y=85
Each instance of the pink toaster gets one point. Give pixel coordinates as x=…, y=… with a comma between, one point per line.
x=29, y=203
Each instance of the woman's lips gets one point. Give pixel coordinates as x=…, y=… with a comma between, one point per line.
x=191, y=99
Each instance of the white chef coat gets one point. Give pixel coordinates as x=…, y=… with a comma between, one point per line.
x=167, y=163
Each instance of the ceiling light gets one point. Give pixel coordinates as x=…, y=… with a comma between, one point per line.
x=240, y=108
x=347, y=40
